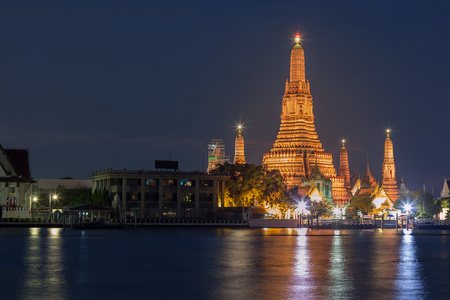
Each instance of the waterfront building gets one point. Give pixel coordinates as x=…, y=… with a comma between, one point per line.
x=297, y=148
x=239, y=153
x=389, y=182
x=15, y=182
x=50, y=186
x=164, y=194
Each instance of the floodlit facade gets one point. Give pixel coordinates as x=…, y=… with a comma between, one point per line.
x=239, y=153
x=297, y=148
x=389, y=182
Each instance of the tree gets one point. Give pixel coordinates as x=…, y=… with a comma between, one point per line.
x=72, y=197
x=252, y=184
x=425, y=205
x=100, y=197
x=320, y=208
x=362, y=204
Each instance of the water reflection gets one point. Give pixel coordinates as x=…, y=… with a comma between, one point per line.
x=302, y=282
x=44, y=266
x=339, y=285
x=408, y=281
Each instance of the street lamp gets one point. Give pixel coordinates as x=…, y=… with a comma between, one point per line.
x=50, y=196
x=407, y=207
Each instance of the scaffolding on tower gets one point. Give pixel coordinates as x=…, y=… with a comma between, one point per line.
x=216, y=154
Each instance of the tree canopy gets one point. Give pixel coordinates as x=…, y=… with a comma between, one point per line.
x=362, y=204
x=252, y=184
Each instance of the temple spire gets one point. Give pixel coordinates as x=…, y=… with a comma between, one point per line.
x=344, y=169
x=389, y=182
x=239, y=156
x=297, y=62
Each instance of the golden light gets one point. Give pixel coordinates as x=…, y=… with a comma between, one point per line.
x=55, y=197
x=297, y=38
x=388, y=130
x=35, y=199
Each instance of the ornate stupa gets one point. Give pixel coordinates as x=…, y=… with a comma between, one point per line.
x=239, y=156
x=344, y=169
x=389, y=182
x=368, y=180
x=297, y=148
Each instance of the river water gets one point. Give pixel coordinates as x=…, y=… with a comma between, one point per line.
x=218, y=263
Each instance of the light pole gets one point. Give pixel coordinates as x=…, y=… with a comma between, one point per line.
x=407, y=208
x=50, y=196
x=34, y=200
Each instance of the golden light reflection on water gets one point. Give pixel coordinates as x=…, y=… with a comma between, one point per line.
x=43, y=261
x=339, y=284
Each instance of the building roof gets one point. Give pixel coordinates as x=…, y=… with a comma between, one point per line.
x=19, y=159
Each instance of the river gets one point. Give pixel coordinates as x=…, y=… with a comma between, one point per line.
x=221, y=263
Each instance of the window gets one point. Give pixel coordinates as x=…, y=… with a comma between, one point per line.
x=188, y=197
x=187, y=182
x=152, y=182
x=170, y=197
x=206, y=183
x=169, y=182
x=206, y=197
x=133, y=181
x=153, y=197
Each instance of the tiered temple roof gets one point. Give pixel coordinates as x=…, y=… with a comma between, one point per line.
x=239, y=154
x=389, y=182
x=297, y=148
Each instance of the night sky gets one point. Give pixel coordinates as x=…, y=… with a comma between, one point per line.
x=91, y=85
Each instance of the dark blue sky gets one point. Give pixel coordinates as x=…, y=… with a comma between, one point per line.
x=90, y=85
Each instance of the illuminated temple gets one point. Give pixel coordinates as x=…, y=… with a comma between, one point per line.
x=239, y=154
x=297, y=149
x=389, y=182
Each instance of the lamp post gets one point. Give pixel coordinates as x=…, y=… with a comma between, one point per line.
x=50, y=196
x=34, y=200
x=407, y=208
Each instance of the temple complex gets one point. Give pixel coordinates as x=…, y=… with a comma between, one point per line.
x=297, y=149
x=239, y=155
x=389, y=182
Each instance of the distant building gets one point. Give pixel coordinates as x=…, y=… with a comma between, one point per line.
x=403, y=190
x=445, y=193
x=50, y=186
x=162, y=194
x=15, y=182
x=216, y=154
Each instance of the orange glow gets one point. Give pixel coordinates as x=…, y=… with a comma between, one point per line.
x=297, y=38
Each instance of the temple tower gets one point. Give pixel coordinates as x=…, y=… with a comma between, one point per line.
x=344, y=169
x=368, y=180
x=239, y=156
x=297, y=148
x=389, y=182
